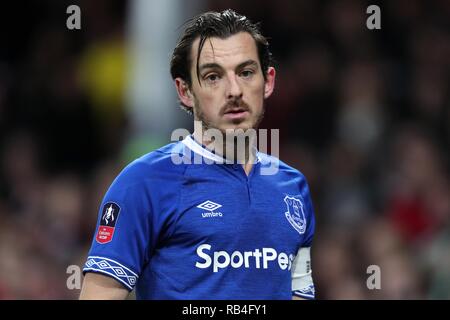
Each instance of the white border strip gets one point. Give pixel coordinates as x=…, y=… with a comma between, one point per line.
x=205, y=153
x=194, y=146
x=303, y=295
x=97, y=257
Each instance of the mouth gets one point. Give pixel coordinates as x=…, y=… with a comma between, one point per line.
x=236, y=113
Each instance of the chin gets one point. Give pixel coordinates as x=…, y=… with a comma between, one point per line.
x=242, y=126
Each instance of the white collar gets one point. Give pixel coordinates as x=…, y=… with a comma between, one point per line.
x=204, y=152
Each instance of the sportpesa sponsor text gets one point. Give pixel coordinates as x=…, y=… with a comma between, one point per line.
x=247, y=259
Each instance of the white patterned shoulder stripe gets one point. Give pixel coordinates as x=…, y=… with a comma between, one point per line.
x=303, y=295
x=110, y=267
x=104, y=258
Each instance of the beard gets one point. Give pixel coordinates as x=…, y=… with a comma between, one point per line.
x=207, y=123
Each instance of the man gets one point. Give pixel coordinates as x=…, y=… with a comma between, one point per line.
x=215, y=228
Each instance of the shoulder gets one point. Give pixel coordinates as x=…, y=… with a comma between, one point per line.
x=151, y=167
x=284, y=170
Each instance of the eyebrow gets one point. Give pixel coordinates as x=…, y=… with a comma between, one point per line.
x=214, y=65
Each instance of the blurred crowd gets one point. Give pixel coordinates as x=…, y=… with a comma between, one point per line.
x=364, y=114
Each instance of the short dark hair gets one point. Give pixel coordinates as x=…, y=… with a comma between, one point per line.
x=215, y=24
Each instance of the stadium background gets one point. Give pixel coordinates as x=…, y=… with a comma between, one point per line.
x=365, y=115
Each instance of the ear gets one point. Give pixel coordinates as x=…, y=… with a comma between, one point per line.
x=269, y=85
x=184, y=93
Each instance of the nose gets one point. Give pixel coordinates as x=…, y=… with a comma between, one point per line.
x=234, y=88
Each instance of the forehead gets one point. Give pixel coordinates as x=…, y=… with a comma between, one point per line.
x=232, y=50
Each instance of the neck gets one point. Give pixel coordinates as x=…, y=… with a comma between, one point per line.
x=235, y=147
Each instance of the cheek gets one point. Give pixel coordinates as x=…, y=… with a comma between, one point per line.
x=210, y=101
x=257, y=96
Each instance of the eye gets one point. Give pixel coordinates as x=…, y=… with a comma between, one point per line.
x=247, y=73
x=212, y=77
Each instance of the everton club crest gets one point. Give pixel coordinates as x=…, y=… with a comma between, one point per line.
x=295, y=214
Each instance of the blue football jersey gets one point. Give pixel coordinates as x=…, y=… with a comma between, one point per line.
x=179, y=223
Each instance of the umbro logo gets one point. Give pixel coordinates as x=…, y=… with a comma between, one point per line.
x=210, y=206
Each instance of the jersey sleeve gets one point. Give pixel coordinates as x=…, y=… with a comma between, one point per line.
x=302, y=281
x=123, y=234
